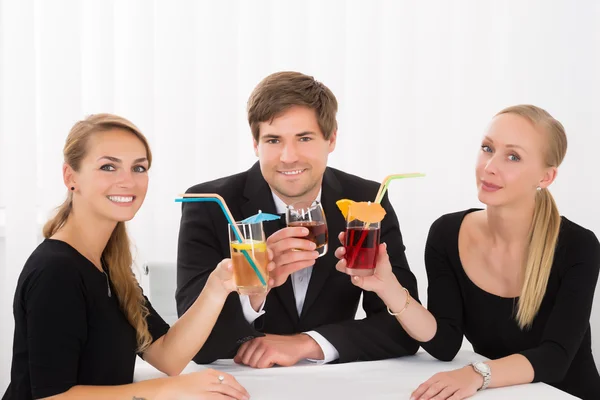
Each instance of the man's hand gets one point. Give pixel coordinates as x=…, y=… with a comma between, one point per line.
x=291, y=253
x=264, y=352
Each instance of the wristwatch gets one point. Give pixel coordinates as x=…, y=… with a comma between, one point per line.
x=484, y=370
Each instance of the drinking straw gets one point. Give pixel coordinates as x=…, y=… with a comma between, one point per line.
x=213, y=197
x=386, y=182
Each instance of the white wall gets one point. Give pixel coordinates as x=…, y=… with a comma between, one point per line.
x=416, y=82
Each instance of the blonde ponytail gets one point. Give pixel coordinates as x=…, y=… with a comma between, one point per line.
x=542, y=242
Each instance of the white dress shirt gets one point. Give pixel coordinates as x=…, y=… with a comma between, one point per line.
x=300, y=280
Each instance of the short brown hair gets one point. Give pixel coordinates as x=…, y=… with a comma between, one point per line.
x=279, y=91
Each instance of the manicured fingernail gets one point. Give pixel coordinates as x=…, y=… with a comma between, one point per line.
x=305, y=231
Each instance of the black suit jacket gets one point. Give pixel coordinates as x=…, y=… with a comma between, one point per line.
x=331, y=299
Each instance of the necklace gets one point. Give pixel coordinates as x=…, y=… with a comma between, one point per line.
x=103, y=266
x=106, y=276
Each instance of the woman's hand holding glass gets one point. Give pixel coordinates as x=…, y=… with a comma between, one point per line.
x=383, y=280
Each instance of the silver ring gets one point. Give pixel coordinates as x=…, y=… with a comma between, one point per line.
x=221, y=378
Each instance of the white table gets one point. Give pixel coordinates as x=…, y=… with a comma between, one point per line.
x=386, y=379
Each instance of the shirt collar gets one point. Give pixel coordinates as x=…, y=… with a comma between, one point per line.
x=280, y=205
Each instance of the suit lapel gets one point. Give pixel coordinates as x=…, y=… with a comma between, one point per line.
x=259, y=197
x=331, y=192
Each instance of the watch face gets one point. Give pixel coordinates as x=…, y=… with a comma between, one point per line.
x=483, y=367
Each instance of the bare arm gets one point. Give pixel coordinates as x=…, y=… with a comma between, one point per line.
x=174, y=350
x=148, y=390
x=416, y=320
x=464, y=382
x=206, y=384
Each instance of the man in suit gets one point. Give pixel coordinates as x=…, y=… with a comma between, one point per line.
x=308, y=312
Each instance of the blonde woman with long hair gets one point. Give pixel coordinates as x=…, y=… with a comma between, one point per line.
x=516, y=278
x=80, y=315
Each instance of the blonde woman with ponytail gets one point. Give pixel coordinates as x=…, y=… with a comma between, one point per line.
x=516, y=278
x=80, y=315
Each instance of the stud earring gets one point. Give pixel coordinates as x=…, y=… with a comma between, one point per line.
x=72, y=188
x=538, y=188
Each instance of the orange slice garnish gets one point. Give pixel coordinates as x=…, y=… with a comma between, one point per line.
x=344, y=205
x=367, y=212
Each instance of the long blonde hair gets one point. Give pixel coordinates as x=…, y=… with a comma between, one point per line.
x=117, y=253
x=545, y=226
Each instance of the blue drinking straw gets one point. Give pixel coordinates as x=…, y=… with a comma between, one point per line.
x=219, y=200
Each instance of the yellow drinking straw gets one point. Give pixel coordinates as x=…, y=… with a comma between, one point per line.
x=386, y=182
